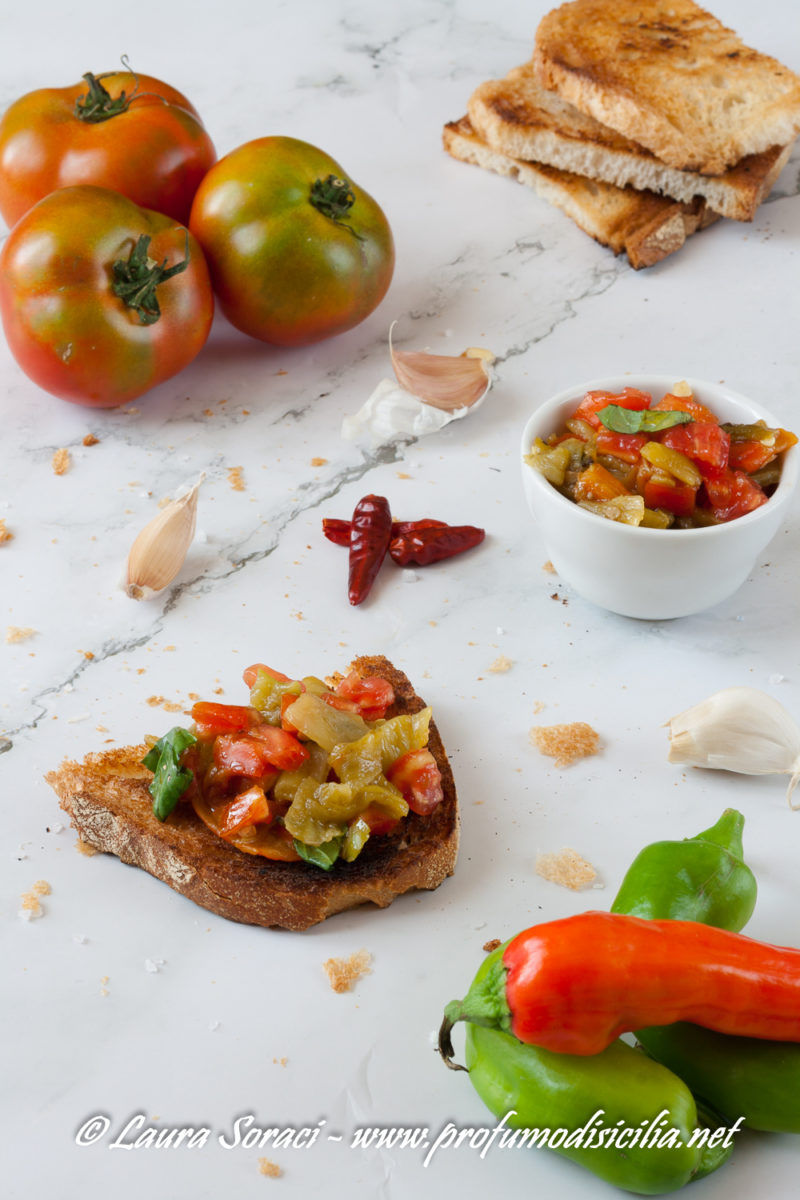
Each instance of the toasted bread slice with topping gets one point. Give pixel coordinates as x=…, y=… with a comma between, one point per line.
x=671, y=77
x=107, y=799
x=645, y=226
x=518, y=117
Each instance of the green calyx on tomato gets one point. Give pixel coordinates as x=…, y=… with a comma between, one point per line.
x=334, y=198
x=136, y=279
x=97, y=104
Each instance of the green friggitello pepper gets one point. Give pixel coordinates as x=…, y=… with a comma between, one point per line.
x=704, y=879
x=594, y=1098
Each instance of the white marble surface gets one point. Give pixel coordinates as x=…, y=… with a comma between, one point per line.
x=479, y=261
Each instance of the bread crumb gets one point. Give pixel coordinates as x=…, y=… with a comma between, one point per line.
x=549, y=568
x=162, y=702
x=538, y=707
x=30, y=907
x=61, y=461
x=491, y=945
x=85, y=848
x=566, y=743
x=265, y=1167
x=5, y=533
x=19, y=633
x=90, y=440
x=567, y=868
x=318, y=462
x=236, y=479
x=344, y=973
x=402, y=475
x=280, y=1062
x=501, y=664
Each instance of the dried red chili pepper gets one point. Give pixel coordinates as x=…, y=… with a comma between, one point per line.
x=338, y=531
x=425, y=546
x=370, y=533
x=572, y=986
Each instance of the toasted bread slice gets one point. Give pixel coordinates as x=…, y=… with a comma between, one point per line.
x=108, y=802
x=520, y=118
x=668, y=75
x=646, y=226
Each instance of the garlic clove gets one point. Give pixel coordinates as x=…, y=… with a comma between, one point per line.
x=159, y=551
x=738, y=729
x=444, y=381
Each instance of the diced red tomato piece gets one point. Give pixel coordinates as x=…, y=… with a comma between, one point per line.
x=379, y=821
x=732, y=494
x=370, y=697
x=256, y=753
x=592, y=402
x=703, y=441
x=212, y=718
x=670, y=403
x=240, y=755
x=626, y=446
x=669, y=494
x=280, y=748
x=248, y=808
x=250, y=674
x=417, y=777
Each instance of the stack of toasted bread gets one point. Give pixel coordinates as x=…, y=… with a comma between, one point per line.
x=644, y=120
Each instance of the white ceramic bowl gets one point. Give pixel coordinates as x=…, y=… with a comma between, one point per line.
x=651, y=574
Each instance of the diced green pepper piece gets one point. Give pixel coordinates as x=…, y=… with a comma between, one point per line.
x=267, y=693
x=355, y=840
x=320, y=811
x=315, y=767
x=385, y=797
x=550, y=461
x=367, y=760
x=323, y=724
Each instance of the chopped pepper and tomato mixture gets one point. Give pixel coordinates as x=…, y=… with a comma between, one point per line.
x=667, y=465
x=304, y=771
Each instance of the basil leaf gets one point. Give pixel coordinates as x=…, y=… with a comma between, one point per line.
x=645, y=420
x=170, y=779
x=321, y=856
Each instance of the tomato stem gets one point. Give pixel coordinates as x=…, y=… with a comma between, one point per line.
x=97, y=104
x=136, y=280
x=334, y=198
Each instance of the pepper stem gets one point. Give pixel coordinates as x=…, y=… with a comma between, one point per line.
x=136, y=280
x=452, y=1014
x=334, y=197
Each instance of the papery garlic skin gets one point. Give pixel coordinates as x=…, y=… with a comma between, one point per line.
x=159, y=551
x=738, y=729
x=392, y=412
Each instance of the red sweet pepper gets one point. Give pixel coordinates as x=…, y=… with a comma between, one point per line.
x=370, y=532
x=573, y=986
